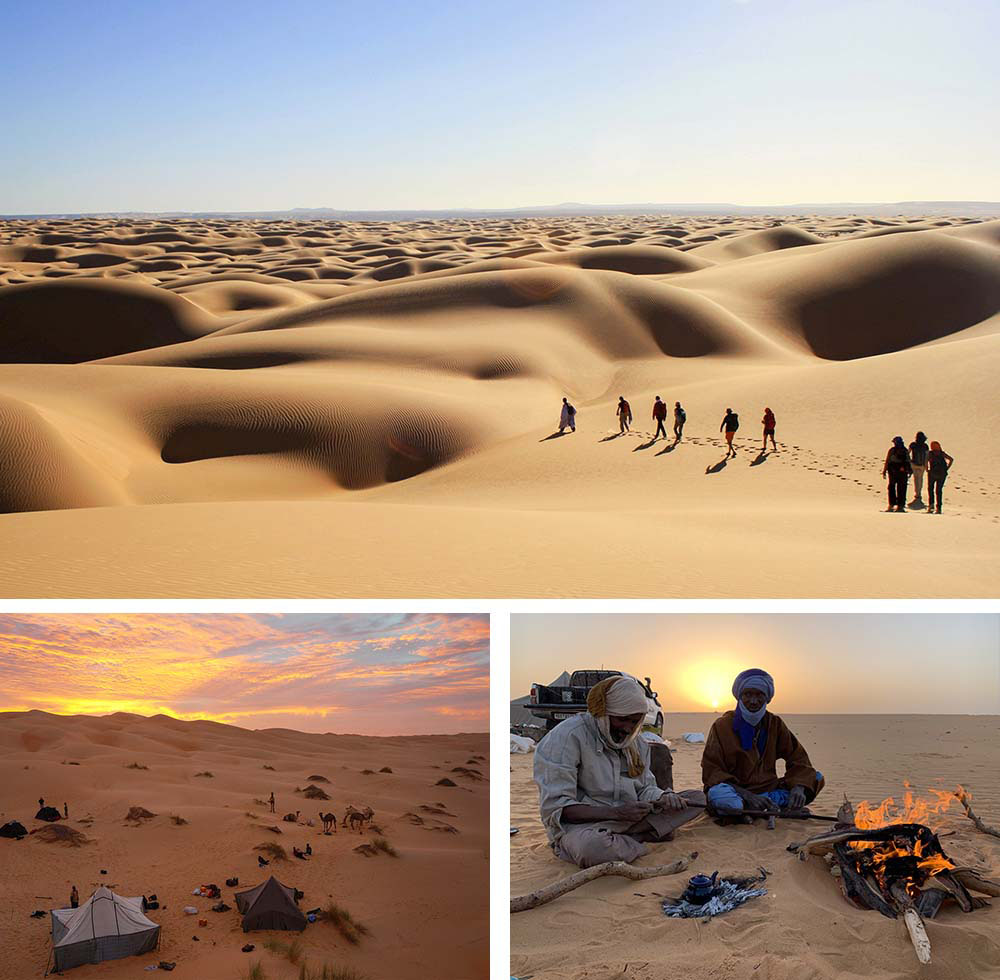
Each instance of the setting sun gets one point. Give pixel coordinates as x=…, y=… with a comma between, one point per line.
x=707, y=683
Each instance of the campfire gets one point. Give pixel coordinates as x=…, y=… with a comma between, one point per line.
x=889, y=860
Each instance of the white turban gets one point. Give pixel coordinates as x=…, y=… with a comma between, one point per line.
x=625, y=697
x=619, y=696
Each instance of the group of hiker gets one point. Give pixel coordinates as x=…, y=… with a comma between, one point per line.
x=902, y=462
x=730, y=422
x=606, y=786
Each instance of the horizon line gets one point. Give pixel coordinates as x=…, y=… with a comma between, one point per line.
x=581, y=208
x=228, y=724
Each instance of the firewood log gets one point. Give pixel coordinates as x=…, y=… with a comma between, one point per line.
x=930, y=901
x=975, y=881
x=914, y=924
x=620, y=868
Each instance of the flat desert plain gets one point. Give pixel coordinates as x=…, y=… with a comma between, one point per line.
x=426, y=909
x=803, y=929
x=241, y=408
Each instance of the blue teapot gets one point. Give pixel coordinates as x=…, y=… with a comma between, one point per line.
x=701, y=888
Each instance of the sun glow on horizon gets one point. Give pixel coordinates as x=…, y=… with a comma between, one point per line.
x=708, y=682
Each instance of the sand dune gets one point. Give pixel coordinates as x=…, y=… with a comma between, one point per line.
x=418, y=929
x=803, y=929
x=391, y=387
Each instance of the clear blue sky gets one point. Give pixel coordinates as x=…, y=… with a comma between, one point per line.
x=822, y=664
x=254, y=105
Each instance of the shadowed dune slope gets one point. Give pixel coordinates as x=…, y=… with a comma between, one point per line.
x=864, y=297
x=753, y=243
x=78, y=320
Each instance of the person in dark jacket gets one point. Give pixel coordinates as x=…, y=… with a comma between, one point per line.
x=659, y=414
x=739, y=764
x=918, y=463
x=897, y=468
x=938, y=464
x=624, y=414
x=730, y=423
x=74, y=898
x=680, y=417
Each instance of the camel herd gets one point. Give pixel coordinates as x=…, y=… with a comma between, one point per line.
x=352, y=816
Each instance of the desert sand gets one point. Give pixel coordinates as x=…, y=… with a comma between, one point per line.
x=243, y=408
x=418, y=929
x=803, y=929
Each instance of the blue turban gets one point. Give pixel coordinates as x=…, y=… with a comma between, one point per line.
x=757, y=680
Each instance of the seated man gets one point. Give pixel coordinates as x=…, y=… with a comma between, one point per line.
x=739, y=767
x=598, y=797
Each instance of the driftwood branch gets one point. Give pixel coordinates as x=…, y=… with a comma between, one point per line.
x=914, y=924
x=963, y=798
x=976, y=881
x=620, y=868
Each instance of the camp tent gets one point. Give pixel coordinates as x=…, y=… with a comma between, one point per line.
x=49, y=813
x=270, y=906
x=106, y=927
x=14, y=830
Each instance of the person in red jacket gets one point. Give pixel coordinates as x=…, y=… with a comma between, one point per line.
x=659, y=415
x=768, y=421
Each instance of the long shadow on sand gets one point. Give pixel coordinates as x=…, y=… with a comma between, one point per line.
x=555, y=435
x=718, y=467
x=612, y=437
x=645, y=445
x=761, y=456
x=669, y=448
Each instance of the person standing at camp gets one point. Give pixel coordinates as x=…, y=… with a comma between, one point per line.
x=271, y=802
x=74, y=898
x=680, y=417
x=918, y=464
x=739, y=764
x=567, y=417
x=624, y=414
x=897, y=468
x=769, y=422
x=938, y=464
x=598, y=795
x=66, y=811
x=659, y=414
x=730, y=423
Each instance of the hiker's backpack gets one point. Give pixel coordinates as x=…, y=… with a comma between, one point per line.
x=735, y=423
x=769, y=420
x=571, y=410
x=682, y=415
x=919, y=452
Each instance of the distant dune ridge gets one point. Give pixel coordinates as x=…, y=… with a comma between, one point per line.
x=389, y=385
x=103, y=767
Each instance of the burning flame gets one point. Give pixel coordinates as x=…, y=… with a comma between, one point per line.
x=912, y=809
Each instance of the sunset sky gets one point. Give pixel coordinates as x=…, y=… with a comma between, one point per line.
x=384, y=674
x=232, y=105
x=893, y=664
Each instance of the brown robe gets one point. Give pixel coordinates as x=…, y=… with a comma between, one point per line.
x=726, y=761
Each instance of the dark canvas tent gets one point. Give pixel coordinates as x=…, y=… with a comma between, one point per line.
x=106, y=927
x=270, y=906
x=49, y=813
x=14, y=830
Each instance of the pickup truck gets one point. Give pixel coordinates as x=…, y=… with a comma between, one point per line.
x=556, y=704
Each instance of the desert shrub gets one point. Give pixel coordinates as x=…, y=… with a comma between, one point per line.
x=292, y=951
x=385, y=769
x=268, y=768
x=136, y=765
x=345, y=923
x=273, y=850
x=179, y=821
x=328, y=972
x=206, y=774
x=381, y=844
x=256, y=972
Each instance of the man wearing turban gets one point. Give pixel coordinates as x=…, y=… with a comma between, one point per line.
x=739, y=765
x=598, y=798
